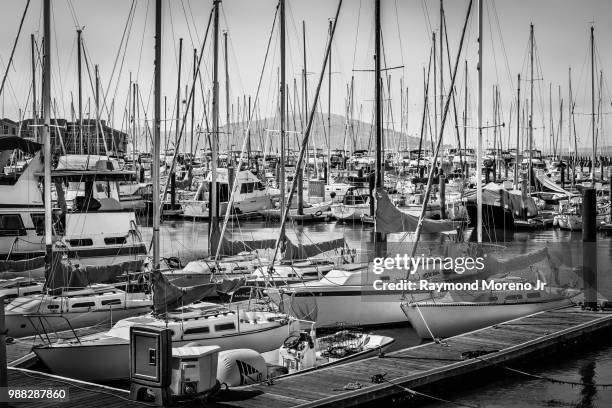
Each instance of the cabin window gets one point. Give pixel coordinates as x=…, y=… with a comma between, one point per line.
x=52, y=307
x=84, y=304
x=111, y=302
x=38, y=220
x=225, y=326
x=492, y=298
x=514, y=297
x=195, y=330
x=246, y=188
x=260, y=186
x=11, y=225
x=533, y=295
x=80, y=242
x=115, y=241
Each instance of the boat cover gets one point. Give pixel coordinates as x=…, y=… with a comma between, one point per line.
x=235, y=247
x=68, y=275
x=16, y=142
x=167, y=296
x=548, y=183
x=390, y=219
x=300, y=251
x=496, y=195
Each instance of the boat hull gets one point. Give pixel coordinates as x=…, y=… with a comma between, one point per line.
x=446, y=320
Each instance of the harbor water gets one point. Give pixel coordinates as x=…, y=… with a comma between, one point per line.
x=591, y=369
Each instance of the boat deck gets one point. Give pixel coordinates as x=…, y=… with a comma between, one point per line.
x=426, y=364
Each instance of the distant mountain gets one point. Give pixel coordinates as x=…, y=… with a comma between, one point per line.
x=359, y=135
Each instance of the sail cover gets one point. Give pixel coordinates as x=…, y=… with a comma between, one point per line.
x=515, y=262
x=300, y=251
x=547, y=183
x=67, y=275
x=167, y=296
x=16, y=142
x=390, y=219
x=494, y=194
x=235, y=247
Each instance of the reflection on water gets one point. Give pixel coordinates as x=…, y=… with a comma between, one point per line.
x=189, y=239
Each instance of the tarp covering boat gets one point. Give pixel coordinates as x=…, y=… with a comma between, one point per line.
x=390, y=219
x=167, y=296
x=22, y=265
x=300, y=251
x=16, y=142
x=235, y=247
x=512, y=263
x=68, y=275
x=496, y=195
x=547, y=183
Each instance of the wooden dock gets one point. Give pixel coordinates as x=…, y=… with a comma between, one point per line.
x=425, y=365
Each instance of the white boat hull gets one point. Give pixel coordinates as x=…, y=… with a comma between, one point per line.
x=446, y=320
x=108, y=361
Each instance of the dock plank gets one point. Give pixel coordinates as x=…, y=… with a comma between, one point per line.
x=429, y=363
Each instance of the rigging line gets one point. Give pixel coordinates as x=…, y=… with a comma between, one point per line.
x=427, y=19
x=187, y=23
x=123, y=58
x=10, y=85
x=59, y=76
x=10, y=62
x=399, y=35
x=195, y=26
x=357, y=34
x=73, y=12
x=144, y=30
x=121, y=45
x=503, y=45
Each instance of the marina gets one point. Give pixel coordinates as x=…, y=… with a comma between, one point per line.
x=249, y=204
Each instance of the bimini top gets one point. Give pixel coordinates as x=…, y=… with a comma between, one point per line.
x=16, y=142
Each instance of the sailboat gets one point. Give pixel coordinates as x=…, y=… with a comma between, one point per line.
x=454, y=312
x=71, y=294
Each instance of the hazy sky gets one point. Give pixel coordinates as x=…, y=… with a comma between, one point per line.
x=562, y=30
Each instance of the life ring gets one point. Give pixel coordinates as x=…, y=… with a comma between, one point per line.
x=318, y=213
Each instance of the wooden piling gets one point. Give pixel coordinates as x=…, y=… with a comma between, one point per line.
x=442, y=189
x=589, y=247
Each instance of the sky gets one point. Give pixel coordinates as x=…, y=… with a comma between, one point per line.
x=561, y=32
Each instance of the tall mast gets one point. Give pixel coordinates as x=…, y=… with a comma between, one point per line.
x=435, y=105
x=79, y=52
x=134, y=136
x=97, y=110
x=156, y=132
x=300, y=174
x=329, y=85
x=227, y=100
x=282, y=106
x=46, y=134
x=195, y=78
x=593, y=160
x=214, y=196
x=479, y=142
x=518, y=159
x=530, y=105
x=34, y=115
x=379, y=237
x=177, y=128
x=441, y=56
x=465, y=107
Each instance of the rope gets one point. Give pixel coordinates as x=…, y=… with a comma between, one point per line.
x=421, y=394
x=10, y=61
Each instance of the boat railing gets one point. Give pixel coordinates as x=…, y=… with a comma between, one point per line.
x=42, y=318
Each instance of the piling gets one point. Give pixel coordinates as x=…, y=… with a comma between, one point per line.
x=442, y=188
x=3, y=361
x=589, y=248
x=173, y=189
x=562, y=167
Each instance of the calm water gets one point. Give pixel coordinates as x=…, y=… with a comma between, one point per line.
x=188, y=240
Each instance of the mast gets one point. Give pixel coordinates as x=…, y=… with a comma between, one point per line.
x=34, y=115
x=227, y=101
x=214, y=193
x=97, y=110
x=329, y=85
x=282, y=106
x=178, y=97
x=300, y=174
x=465, y=107
x=479, y=142
x=518, y=159
x=435, y=105
x=593, y=160
x=441, y=56
x=156, y=132
x=530, y=105
x=379, y=237
x=79, y=76
x=195, y=78
x=134, y=137
x=46, y=135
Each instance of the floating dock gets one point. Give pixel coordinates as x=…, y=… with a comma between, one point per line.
x=425, y=365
